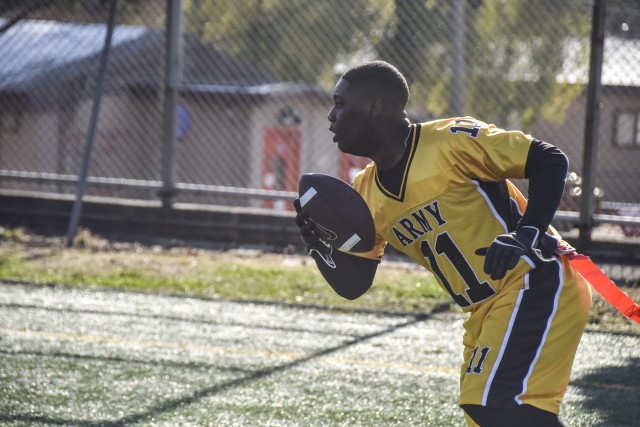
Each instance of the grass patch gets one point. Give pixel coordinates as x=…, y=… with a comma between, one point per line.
x=245, y=275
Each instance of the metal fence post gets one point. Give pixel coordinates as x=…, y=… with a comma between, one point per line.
x=93, y=122
x=173, y=78
x=458, y=59
x=592, y=122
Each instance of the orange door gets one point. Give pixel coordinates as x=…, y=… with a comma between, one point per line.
x=280, y=163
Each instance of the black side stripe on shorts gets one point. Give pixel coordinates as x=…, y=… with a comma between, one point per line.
x=529, y=326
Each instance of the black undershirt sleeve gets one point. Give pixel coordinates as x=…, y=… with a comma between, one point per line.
x=546, y=169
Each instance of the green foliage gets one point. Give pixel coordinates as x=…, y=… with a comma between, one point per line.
x=513, y=50
x=511, y=57
x=293, y=40
x=17, y=234
x=559, y=101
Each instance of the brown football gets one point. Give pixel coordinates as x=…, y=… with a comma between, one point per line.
x=341, y=214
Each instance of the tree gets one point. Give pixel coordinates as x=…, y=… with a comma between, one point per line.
x=509, y=53
x=94, y=11
x=294, y=40
x=514, y=51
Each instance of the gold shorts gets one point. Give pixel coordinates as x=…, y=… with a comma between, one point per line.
x=519, y=346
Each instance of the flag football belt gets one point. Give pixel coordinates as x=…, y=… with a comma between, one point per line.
x=600, y=282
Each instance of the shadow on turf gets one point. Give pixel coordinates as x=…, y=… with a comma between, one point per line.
x=613, y=393
x=176, y=403
x=132, y=361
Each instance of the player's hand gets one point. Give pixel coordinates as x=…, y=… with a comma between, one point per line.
x=506, y=250
x=308, y=231
x=548, y=245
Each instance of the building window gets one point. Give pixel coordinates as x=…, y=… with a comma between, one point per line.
x=627, y=129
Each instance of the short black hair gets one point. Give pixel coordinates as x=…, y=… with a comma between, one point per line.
x=381, y=76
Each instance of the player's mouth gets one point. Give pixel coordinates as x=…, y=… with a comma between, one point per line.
x=335, y=135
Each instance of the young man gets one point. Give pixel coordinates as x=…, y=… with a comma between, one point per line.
x=439, y=193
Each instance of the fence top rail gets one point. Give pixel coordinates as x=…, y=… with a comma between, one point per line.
x=238, y=191
x=147, y=184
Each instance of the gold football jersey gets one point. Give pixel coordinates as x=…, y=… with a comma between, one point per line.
x=450, y=200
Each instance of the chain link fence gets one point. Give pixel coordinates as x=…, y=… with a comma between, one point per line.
x=225, y=102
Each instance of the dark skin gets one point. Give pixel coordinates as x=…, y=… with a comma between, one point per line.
x=364, y=125
x=368, y=126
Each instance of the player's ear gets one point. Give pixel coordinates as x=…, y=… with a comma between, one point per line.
x=375, y=107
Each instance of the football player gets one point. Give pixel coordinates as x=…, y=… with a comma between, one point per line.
x=440, y=193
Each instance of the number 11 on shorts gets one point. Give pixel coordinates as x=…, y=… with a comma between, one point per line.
x=483, y=355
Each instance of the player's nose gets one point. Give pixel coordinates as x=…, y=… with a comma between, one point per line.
x=331, y=116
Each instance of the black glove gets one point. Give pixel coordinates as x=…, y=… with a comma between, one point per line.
x=547, y=245
x=505, y=251
x=308, y=231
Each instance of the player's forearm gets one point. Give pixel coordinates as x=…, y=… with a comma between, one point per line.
x=546, y=171
x=350, y=276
